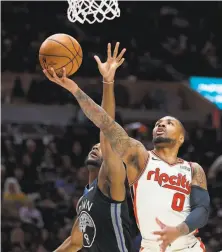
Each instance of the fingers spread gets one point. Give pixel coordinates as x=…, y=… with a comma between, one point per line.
x=109, y=51
x=54, y=73
x=160, y=223
x=116, y=50
x=48, y=75
x=121, y=54
x=121, y=62
x=97, y=59
x=159, y=232
x=162, y=238
x=64, y=73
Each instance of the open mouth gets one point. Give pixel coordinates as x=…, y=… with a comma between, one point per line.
x=93, y=154
x=160, y=132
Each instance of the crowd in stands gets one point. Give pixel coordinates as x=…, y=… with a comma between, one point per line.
x=43, y=175
x=53, y=94
x=43, y=178
x=167, y=41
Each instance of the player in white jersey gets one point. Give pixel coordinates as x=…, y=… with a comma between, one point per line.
x=170, y=198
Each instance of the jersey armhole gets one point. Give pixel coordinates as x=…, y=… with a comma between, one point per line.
x=142, y=171
x=77, y=205
x=108, y=199
x=191, y=167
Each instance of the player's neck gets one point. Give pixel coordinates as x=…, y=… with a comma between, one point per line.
x=93, y=175
x=167, y=154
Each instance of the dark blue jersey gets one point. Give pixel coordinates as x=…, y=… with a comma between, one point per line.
x=105, y=223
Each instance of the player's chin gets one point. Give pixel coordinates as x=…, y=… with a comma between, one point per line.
x=93, y=161
x=161, y=140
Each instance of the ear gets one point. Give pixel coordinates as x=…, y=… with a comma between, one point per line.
x=181, y=139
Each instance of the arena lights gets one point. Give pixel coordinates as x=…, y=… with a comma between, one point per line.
x=210, y=88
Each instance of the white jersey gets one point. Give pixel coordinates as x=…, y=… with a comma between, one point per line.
x=162, y=191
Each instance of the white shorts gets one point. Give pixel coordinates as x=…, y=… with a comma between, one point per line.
x=198, y=246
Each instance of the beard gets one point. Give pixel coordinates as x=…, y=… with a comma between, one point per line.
x=93, y=163
x=163, y=140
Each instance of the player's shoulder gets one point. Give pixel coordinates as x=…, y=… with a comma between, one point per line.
x=138, y=154
x=196, y=168
x=198, y=176
x=136, y=143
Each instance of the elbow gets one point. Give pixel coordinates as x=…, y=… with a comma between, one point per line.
x=207, y=209
x=205, y=220
x=205, y=216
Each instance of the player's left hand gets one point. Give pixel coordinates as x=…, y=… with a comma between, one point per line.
x=108, y=68
x=167, y=235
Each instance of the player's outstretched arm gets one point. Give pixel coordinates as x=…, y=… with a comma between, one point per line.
x=113, y=168
x=74, y=242
x=126, y=147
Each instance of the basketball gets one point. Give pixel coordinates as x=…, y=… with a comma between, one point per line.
x=59, y=51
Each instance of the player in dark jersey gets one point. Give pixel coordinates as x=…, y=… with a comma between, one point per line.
x=103, y=223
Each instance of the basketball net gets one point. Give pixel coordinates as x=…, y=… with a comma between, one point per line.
x=92, y=11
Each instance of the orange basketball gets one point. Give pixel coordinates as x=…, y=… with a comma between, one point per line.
x=59, y=51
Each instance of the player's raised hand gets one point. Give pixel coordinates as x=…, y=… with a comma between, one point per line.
x=64, y=82
x=167, y=235
x=108, y=68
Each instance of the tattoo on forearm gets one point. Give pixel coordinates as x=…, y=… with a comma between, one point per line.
x=183, y=228
x=118, y=138
x=199, y=177
x=116, y=135
x=94, y=112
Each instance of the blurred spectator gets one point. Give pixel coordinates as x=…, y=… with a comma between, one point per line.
x=47, y=162
x=13, y=198
x=181, y=42
x=31, y=215
x=215, y=168
x=12, y=191
x=17, y=239
x=54, y=172
x=3, y=171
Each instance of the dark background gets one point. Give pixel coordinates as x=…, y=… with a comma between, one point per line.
x=164, y=41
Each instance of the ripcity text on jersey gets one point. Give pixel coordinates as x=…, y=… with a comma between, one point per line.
x=163, y=191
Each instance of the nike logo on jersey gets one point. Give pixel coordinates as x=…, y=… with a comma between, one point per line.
x=184, y=168
x=178, y=183
x=156, y=159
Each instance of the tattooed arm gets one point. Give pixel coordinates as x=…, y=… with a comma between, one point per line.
x=198, y=217
x=128, y=149
x=199, y=177
x=119, y=140
x=199, y=200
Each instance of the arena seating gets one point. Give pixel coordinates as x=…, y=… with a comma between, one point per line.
x=45, y=160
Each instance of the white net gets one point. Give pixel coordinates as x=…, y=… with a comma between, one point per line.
x=91, y=11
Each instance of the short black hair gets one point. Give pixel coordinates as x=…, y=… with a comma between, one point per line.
x=181, y=125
